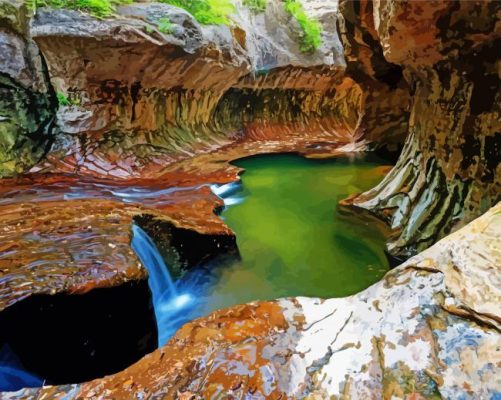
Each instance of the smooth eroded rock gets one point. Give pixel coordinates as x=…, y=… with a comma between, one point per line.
x=421, y=332
x=449, y=170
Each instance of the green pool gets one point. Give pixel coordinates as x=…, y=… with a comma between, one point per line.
x=292, y=239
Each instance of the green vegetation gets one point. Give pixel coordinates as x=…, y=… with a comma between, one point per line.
x=256, y=5
x=64, y=100
x=164, y=25
x=207, y=12
x=97, y=8
x=311, y=39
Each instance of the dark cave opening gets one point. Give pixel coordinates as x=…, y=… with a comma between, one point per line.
x=74, y=338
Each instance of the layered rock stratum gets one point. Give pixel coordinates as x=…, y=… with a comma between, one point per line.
x=449, y=170
x=138, y=99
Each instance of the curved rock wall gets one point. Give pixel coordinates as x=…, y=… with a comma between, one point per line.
x=145, y=97
x=387, y=104
x=138, y=99
x=449, y=171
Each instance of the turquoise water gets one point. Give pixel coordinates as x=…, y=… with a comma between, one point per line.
x=291, y=237
x=293, y=241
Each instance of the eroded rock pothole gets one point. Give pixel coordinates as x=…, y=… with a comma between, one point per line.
x=63, y=338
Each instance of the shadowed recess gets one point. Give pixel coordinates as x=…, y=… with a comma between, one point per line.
x=57, y=339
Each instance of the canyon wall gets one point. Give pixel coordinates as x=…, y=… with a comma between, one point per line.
x=449, y=171
x=133, y=99
x=139, y=99
x=26, y=104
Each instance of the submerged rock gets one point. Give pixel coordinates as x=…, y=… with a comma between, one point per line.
x=421, y=332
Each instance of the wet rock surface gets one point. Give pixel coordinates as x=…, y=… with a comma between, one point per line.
x=73, y=235
x=415, y=333
x=65, y=246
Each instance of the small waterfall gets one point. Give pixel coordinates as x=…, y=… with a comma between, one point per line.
x=176, y=303
x=227, y=193
x=160, y=281
x=169, y=305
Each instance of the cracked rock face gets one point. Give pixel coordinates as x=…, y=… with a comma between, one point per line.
x=419, y=333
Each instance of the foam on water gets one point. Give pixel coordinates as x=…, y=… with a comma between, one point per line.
x=169, y=305
x=227, y=193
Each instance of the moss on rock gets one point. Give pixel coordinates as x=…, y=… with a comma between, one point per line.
x=24, y=118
